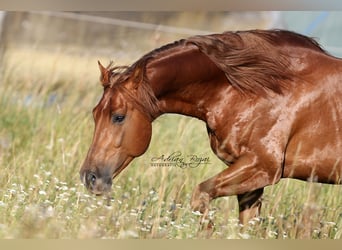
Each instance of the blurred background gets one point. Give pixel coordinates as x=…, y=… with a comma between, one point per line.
x=124, y=36
x=39, y=42
x=34, y=40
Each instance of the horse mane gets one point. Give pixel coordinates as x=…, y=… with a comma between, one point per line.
x=253, y=61
x=278, y=37
x=146, y=100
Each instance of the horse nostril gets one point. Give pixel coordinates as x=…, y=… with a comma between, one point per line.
x=91, y=179
x=97, y=183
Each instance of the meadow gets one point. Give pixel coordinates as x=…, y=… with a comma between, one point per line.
x=46, y=127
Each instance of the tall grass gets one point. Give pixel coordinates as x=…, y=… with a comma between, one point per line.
x=45, y=130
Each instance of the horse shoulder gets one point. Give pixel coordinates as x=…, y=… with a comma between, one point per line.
x=260, y=128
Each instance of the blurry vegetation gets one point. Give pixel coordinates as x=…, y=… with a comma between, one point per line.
x=41, y=30
x=49, y=87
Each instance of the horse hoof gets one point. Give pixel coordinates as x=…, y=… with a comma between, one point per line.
x=200, y=202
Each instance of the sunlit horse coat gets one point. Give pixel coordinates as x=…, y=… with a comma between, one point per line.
x=271, y=100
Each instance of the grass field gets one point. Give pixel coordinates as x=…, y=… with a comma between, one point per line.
x=46, y=128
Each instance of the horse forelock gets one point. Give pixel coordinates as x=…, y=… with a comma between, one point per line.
x=119, y=74
x=142, y=97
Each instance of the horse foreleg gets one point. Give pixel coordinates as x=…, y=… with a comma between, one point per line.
x=245, y=178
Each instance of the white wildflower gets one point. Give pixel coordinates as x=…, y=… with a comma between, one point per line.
x=49, y=212
x=245, y=236
x=330, y=223
x=48, y=173
x=12, y=191
x=128, y=234
x=196, y=213
x=272, y=234
x=42, y=192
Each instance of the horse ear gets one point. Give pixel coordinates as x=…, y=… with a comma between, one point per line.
x=106, y=73
x=137, y=77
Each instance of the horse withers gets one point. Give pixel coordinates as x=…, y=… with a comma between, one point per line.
x=271, y=101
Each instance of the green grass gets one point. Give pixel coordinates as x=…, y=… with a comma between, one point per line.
x=45, y=130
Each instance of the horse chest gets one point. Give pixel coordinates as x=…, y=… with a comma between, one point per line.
x=225, y=149
x=230, y=132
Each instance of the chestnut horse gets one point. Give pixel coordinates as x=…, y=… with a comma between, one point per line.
x=271, y=100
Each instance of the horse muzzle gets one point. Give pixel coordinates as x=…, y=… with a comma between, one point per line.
x=96, y=184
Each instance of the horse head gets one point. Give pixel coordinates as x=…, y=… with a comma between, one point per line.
x=122, y=129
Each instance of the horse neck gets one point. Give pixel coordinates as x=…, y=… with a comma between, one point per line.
x=185, y=81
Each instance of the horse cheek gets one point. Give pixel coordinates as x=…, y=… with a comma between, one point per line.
x=139, y=136
x=143, y=138
x=118, y=139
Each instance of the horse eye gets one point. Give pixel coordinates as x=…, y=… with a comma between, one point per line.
x=118, y=118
